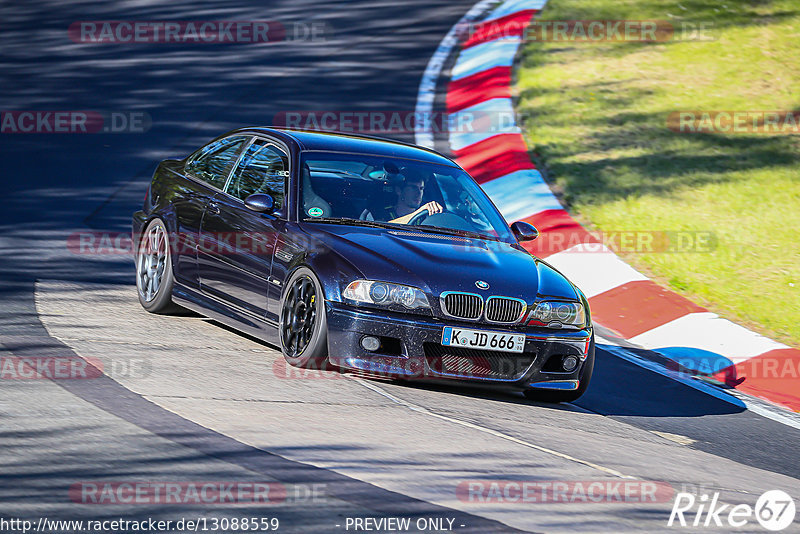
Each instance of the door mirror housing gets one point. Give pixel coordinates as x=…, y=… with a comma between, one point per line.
x=260, y=203
x=524, y=231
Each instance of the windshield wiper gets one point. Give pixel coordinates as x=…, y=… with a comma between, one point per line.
x=453, y=231
x=354, y=222
x=398, y=226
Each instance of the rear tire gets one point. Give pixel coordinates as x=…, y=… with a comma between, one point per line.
x=585, y=377
x=303, y=326
x=154, y=277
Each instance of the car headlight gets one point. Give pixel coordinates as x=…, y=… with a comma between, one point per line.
x=549, y=313
x=385, y=294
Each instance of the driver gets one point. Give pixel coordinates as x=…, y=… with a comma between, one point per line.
x=409, y=197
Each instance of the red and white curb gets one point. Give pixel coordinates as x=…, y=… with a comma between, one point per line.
x=635, y=310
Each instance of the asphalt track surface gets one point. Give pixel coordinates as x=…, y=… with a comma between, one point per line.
x=189, y=400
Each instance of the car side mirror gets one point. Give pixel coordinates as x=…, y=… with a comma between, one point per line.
x=260, y=202
x=524, y=231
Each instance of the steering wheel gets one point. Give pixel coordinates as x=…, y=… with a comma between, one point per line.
x=417, y=219
x=445, y=220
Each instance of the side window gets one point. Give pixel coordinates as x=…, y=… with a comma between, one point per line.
x=214, y=162
x=264, y=168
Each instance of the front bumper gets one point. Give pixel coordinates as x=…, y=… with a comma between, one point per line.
x=413, y=349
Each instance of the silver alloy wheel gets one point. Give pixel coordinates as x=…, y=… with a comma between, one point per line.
x=151, y=263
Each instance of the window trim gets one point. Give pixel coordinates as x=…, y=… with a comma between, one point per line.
x=235, y=165
x=248, y=139
x=280, y=146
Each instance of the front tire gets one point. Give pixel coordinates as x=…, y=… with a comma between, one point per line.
x=303, y=326
x=567, y=396
x=154, y=278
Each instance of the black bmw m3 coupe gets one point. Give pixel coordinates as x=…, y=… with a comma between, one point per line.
x=360, y=253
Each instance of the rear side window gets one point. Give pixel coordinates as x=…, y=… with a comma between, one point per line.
x=213, y=163
x=264, y=168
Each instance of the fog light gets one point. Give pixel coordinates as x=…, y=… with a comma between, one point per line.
x=569, y=363
x=370, y=343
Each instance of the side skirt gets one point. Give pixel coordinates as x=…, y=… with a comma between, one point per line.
x=212, y=308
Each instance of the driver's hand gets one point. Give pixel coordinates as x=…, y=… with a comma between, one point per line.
x=432, y=207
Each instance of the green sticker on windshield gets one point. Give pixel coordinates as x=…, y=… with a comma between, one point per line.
x=315, y=212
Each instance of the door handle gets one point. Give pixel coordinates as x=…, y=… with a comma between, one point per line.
x=213, y=207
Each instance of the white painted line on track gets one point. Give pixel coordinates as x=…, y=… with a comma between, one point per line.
x=767, y=409
x=473, y=426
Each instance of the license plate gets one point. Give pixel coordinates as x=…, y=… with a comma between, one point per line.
x=481, y=339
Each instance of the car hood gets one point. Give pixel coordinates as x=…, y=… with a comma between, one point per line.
x=437, y=263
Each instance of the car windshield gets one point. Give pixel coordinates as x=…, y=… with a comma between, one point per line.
x=380, y=191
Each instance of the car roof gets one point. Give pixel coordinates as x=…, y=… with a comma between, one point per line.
x=358, y=144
